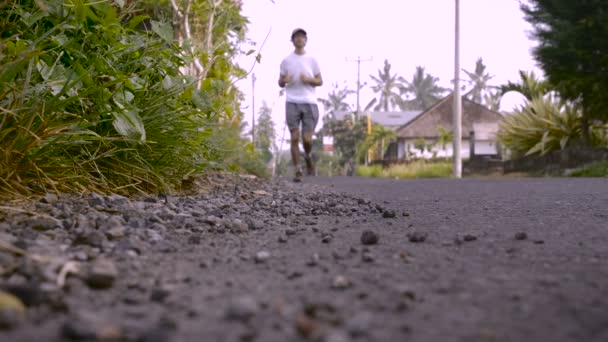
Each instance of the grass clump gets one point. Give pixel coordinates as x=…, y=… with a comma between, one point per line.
x=90, y=103
x=597, y=169
x=413, y=170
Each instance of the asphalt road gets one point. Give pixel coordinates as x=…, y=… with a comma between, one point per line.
x=505, y=260
x=552, y=286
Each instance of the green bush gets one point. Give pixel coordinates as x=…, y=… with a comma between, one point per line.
x=541, y=126
x=235, y=153
x=598, y=169
x=374, y=171
x=88, y=102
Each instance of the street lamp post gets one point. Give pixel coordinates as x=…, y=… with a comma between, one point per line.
x=457, y=111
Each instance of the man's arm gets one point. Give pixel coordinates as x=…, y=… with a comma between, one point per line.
x=316, y=81
x=284, y=80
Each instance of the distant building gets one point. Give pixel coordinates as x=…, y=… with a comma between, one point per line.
x=426, y=128
x=416, y=128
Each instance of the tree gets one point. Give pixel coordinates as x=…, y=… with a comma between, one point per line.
x=265, y=133
x=444, y=137
x=478, y=80
x=387, y=87
x=423, y=88
x=573, y=51
x=529, y=86
x=347, y=135
x=378, y=142
x=492, y=100
x=336, y=102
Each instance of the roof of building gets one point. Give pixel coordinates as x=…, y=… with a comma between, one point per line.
x=427, y=123
x=390, y=120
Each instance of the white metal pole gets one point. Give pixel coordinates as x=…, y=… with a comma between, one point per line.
x=457, y=111
x=253, y=79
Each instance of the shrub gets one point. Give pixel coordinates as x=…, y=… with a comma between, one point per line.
x=541, y=126
x=598, y=169
x=89, y=102
x=413, y=170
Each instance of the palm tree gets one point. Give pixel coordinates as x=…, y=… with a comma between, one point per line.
x=478, y=80
x=336, y=102
x=386, y=86
x=492, y=100
x=423, y=88
x=377, y=141
x=530, y=86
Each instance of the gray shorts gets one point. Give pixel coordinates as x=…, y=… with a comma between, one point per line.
x=305, y=113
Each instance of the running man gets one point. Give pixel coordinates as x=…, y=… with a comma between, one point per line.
x=300, y=75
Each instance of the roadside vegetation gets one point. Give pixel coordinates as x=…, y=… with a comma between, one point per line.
x=110, y=96
x=414, y=170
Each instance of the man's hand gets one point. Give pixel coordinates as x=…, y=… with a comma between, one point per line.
x=285, y=80
x=313, y=81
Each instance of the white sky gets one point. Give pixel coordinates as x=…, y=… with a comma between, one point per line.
x=406, y=32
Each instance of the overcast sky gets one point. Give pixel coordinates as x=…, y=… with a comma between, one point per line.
x=406, y=32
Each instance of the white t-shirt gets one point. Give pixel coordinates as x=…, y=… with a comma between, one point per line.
x=296, y=91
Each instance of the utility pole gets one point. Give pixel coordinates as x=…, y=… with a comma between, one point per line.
x=457, y=110
x=253, y=109
x=359, y=60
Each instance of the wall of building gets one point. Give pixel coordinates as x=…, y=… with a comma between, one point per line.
x=481, y=148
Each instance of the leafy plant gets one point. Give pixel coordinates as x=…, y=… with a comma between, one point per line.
x=542, y=125
x=598, y=169
x=90, y=102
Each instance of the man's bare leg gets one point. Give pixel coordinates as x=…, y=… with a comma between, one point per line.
x=295, y=153
x=307, y=141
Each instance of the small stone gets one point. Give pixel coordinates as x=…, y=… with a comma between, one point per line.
x=417, y=237
x=44, y=223
x=194, y=240
x=367, y=257
x=10, y=319
x=153, y=235
x=88, y=326
x=369, y=237
x=282, y=239
x=261, y=257
x=294, y=275
x=521, y=236
x=239, y=226
x=389, y=214
x=101, y=274
x=49, y=198
x=290, y=231
x=360, y=324
x=91, y=237
x=326, y=237
x=469, y=238
x=114, y=228
x=256, y=225
x=539, y=242
x=159, y=294
x=117, y=200
x=337, y=336
x=96, y=199
x=341, y=282
x=314, y=260
x=405, y=214
x=12, y=311
x=241, y=309
x=306, y=326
